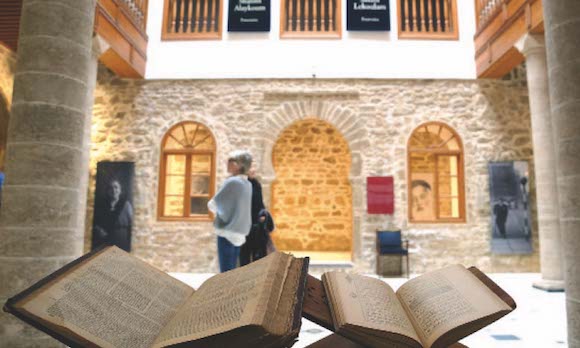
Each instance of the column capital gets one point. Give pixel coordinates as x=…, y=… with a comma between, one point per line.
x=530, y=44
x=100, y=46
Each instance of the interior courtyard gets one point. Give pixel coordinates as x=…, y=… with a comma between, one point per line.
x=463, y=110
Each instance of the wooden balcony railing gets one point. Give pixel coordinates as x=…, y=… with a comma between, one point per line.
x=484, y=10
x=500, y=24
x=310, y=19
x=138, y=11
x=192, y=19
x=122, y=24
x=428, y=19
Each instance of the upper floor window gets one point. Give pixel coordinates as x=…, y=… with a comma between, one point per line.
x=428, y=19
x=310, y=19
x=435, y=160
x=192, y=19
x=187, y=173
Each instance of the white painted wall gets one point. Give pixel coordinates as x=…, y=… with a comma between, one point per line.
x=356, y=55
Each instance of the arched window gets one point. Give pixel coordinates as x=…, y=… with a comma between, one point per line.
x=187, y=172
x=435, y=172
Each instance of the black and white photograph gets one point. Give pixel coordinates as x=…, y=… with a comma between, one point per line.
x=113, y=214
x=510, y=208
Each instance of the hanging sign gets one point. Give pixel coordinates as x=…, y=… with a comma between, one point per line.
x=249, y=15
x=380, y=195
x=371, y=15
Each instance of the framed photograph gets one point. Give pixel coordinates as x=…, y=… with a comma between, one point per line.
x=113, y=213
x=510, y=208
x=422, y=197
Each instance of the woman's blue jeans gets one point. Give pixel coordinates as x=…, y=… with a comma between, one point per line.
x=228, y=254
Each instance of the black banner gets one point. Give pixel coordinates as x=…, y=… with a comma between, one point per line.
x=249, y=15
x=368, y=15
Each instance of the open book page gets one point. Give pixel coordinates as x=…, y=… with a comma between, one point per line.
x=367, y=302
x=442, y=300
x=227, y=301
x=113, y=300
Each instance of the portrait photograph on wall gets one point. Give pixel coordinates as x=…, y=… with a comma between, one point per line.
x=422, y=201
x=113, y=213
x=510, y=208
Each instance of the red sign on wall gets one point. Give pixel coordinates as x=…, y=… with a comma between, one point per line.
x=380, y=195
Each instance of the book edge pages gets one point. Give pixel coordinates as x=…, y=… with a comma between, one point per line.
x=252, y=318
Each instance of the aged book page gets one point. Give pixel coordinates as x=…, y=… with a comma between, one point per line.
x=228, y=301
x=128, y=300
x=367, y=302
x=442, y=300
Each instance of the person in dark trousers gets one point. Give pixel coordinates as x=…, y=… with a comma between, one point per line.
x=231, y=208
x=256, y=245
x=500, y=210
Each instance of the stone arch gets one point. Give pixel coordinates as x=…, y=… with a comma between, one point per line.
x=4, y=119
x=312, y=194
x=342, y=118
x=218, y=129
x=345, y=120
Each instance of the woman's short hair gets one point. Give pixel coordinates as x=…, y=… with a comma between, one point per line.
x=243, y=159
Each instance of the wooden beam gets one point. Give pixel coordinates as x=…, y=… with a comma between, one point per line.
x=112, y=60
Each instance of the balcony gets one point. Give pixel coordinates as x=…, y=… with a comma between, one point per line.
x=122, y=25
x=119, y=23
x=500, y=24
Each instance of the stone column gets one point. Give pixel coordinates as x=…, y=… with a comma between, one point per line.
x=534, y=49
x=41, y=225
x=562, y=25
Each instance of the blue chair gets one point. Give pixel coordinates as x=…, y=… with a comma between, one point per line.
x=391, y=243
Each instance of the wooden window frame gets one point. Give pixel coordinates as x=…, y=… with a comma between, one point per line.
x=451, y=36
x=460, y=176
x=187, y=189
x=311, y=35
x=167, y=36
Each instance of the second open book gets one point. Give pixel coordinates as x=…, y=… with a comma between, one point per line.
x=433, y=310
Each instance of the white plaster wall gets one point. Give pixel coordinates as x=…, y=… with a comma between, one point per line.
x=356, y=55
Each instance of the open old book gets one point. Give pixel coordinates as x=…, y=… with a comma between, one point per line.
x=434, y=310
x=109, y=298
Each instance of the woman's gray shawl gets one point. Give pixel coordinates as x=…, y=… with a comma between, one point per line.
x=232, y=206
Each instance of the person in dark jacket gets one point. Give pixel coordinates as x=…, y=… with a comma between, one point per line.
x=258, y=239
x=113, y=219
x=501, y=210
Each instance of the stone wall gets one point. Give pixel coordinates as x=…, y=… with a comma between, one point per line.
x=312, y=197
x=375, y=118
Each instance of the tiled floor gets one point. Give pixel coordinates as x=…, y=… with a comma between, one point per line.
x=539, y=321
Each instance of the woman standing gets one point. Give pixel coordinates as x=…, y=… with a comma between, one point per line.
x=231, y=206
x=258, y=240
